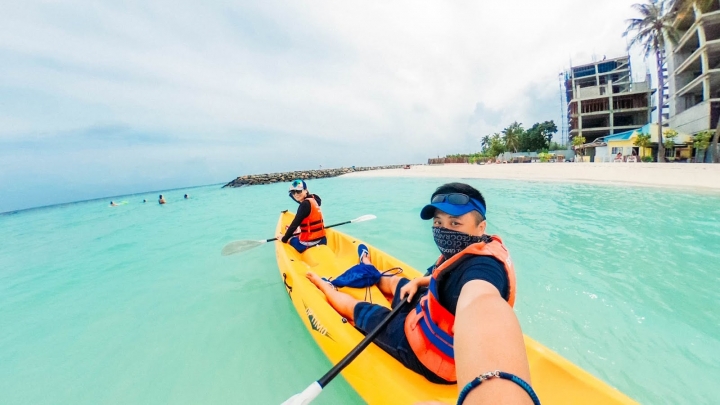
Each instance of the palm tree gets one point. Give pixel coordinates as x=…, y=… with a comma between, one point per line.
x=497, y=146
x=578, y=141
x=512, y=134
x=642, y=141
x=670, y=135
x=684, y=7
x=701, y=142
x=485, y=142
x=652, y=30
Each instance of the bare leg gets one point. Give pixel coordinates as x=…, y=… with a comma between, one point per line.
x=386, y=284
x=343, y=303
x=365, y=259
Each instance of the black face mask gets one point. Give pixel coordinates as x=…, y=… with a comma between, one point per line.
x=452, y=242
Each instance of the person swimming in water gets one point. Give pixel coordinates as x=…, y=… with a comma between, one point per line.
x=161, y=199
x=186, y=196
x=112, y=204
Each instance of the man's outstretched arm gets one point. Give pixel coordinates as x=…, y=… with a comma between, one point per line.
x=488, y=338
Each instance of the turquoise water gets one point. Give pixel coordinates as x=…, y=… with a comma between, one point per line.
x=134, y=304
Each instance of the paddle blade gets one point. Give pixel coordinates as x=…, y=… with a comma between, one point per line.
x=368, y=217
x=305, y=397
x=240, y=246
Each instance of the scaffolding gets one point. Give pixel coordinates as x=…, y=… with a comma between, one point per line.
x=602, y=99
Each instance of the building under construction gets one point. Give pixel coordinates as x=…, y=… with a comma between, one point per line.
x=694, y=65
x=604, y=100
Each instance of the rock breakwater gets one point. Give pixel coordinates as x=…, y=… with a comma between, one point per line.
x=257, y=179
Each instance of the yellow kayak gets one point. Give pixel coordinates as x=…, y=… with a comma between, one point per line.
x=375, y=375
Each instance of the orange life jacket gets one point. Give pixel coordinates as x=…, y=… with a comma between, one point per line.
x=429, y=328
x=312, y=227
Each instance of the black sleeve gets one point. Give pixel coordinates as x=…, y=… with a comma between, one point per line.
x=487, y=269
x=302, y=213
x=478, y=268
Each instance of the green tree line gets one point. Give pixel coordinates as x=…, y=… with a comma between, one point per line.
x=514, y=138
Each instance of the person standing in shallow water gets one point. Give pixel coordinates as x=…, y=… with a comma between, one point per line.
x=308, y=219
x=161, y=199
x=463, y=325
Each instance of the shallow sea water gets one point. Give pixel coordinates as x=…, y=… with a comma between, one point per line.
x=134, y=304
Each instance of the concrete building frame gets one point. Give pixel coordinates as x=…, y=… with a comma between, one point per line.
x=603, y=99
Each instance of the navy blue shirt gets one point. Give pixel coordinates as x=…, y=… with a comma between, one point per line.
x=393, y=339
x=484, y=268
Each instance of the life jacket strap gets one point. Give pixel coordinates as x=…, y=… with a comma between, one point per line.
x=435, y=335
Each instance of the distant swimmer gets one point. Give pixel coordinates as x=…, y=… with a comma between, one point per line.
x=112, y=204
x=187, y=196
x=144, y=201
x=161, y=199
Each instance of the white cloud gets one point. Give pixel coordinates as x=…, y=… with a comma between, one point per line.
x=408, y=75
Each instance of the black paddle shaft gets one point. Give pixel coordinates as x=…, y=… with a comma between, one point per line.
x=341, y=223
x=329, y=226
x=330, y=375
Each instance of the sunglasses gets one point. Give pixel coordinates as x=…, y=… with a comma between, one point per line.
x=458, y=199
x=296, y=191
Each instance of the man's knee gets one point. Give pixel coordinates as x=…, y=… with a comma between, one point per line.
x=389, y=284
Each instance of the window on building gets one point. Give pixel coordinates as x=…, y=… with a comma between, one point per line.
x=615, y=151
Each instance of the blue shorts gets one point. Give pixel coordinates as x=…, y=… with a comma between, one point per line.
x=392, y=339
x=295, y=242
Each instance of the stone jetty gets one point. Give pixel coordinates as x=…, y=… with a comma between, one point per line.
x=257, y=179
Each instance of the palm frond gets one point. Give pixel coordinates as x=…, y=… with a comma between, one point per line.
x=655, y=26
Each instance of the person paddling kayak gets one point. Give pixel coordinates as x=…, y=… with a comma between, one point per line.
x=468, y=302
x=308, y=219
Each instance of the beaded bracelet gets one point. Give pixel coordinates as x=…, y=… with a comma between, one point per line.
x=499, y=374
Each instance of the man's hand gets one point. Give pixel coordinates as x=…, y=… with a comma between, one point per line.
x=409, y=289
x=412, y=287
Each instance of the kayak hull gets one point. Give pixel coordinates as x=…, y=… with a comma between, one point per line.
x=375, y=375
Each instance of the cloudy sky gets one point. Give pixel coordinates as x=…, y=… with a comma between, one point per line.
x=106, y=98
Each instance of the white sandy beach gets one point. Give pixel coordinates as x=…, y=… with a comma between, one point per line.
x=670, y=175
